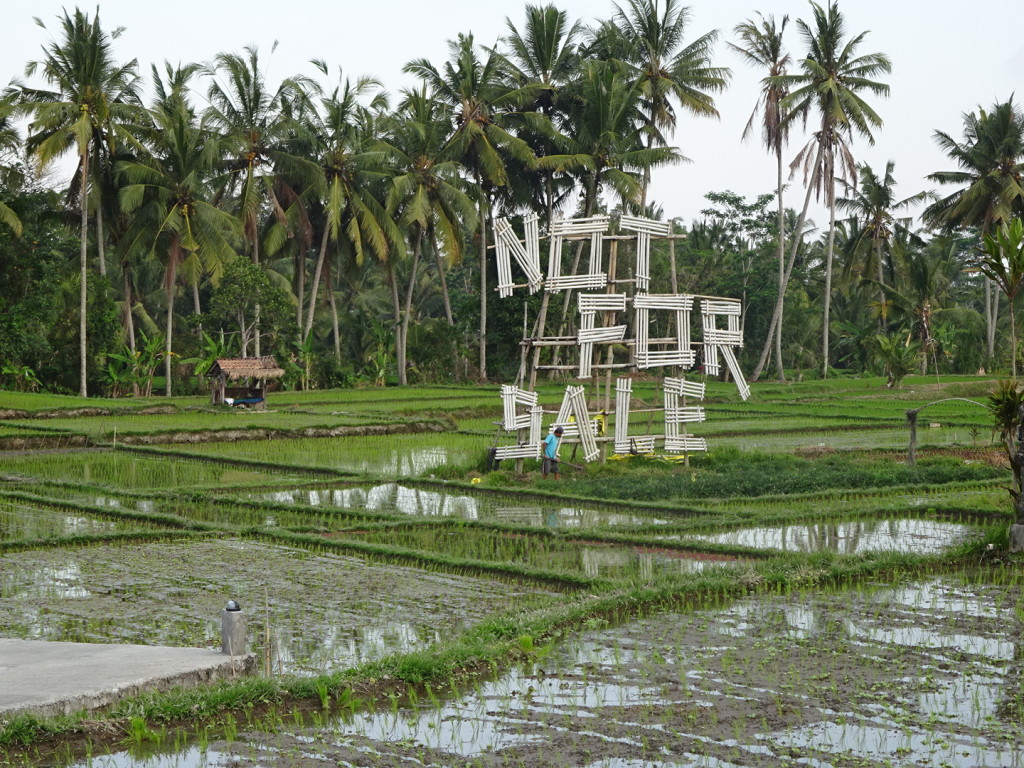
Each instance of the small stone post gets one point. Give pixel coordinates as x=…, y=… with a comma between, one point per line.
x=232, y=630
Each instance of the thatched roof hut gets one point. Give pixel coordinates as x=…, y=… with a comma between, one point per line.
x=253, y=372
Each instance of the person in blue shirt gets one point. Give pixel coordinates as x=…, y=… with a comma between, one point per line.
x=550, y=446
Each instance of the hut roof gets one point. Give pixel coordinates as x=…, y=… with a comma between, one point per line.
x=247, y=367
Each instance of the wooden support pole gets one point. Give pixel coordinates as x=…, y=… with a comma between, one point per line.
x=609, y=320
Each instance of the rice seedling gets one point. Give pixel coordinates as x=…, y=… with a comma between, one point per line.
x=129, y=425
x=120, y=470
x=417, y=583
x=394, y=456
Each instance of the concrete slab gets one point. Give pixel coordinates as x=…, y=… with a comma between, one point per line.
x=60, y=678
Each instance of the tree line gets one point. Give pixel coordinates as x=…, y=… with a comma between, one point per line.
x=345, y=230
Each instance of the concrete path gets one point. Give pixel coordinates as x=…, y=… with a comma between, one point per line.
x=60, y=678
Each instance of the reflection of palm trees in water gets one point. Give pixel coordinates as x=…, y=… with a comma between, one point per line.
x=611, y=561
x=853, y=537
x=844, y=540
x=821, y=537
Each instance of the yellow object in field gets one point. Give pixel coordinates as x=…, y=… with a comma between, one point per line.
x=475, y=481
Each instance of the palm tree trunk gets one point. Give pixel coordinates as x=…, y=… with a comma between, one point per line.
x=332, y=301
x=538, y=332
x=881, y=286
x=256, y=333
x=988, y=320
x=254, y=234
x=444, y=283
x=647, y=175
x=673, y=271
x=256, y=261
x=315, y=288
x=243, y=335
x=300, y=287
x=396, y=309
x=172, y=269
x=129, y=321
x=483, y=285
x=776, y=322
x=782, y=264
x=100, y=250
x=83, y=278
x=549, y=194
x=100, y=254
x=828, y=278
x=991, y=318
x=1013, y=339
x=402, y=374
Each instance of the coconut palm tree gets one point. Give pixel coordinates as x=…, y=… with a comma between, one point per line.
x=761, y=45
x=991, y=168
x=541, y=61
x=256, y=122
x=481, y=100
x=253, y=119
x=875, y=223
x=831, y=84
x=352, y=167
x=169, y=190
x=544, y=52
x=1002, y=262
x=605, y=137
x=10, y=143
x=604, y=144
x=667, y=68
x=427, y=195
x=921, y=295
x=91, y=100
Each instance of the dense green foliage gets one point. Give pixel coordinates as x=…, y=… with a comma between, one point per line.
x=363, y=219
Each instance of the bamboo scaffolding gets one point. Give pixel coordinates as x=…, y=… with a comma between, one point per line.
x=620, y=295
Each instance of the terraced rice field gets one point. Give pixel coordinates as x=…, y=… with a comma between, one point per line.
x=799, y=596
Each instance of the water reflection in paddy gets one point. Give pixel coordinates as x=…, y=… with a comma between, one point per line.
x=396, y=498
x=320, y=611
x=556, y=553
x=853, y=537
x=23, y=521
x=757, y=683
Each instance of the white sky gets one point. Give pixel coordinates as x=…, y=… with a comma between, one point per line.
x=948, y=58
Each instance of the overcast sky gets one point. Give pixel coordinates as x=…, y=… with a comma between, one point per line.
x=948, y=58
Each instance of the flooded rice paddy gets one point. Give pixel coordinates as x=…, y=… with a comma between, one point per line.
x=851, y=538
x=395, y=456
x=922, y=672
x=323, y=611
x=911, y=674
x=20, y=521
x=893, y=438
x=128, y=471
x=545, y=552
x=402, y=499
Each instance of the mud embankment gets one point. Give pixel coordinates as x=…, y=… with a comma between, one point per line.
x=45, y=442
x=69, y=413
